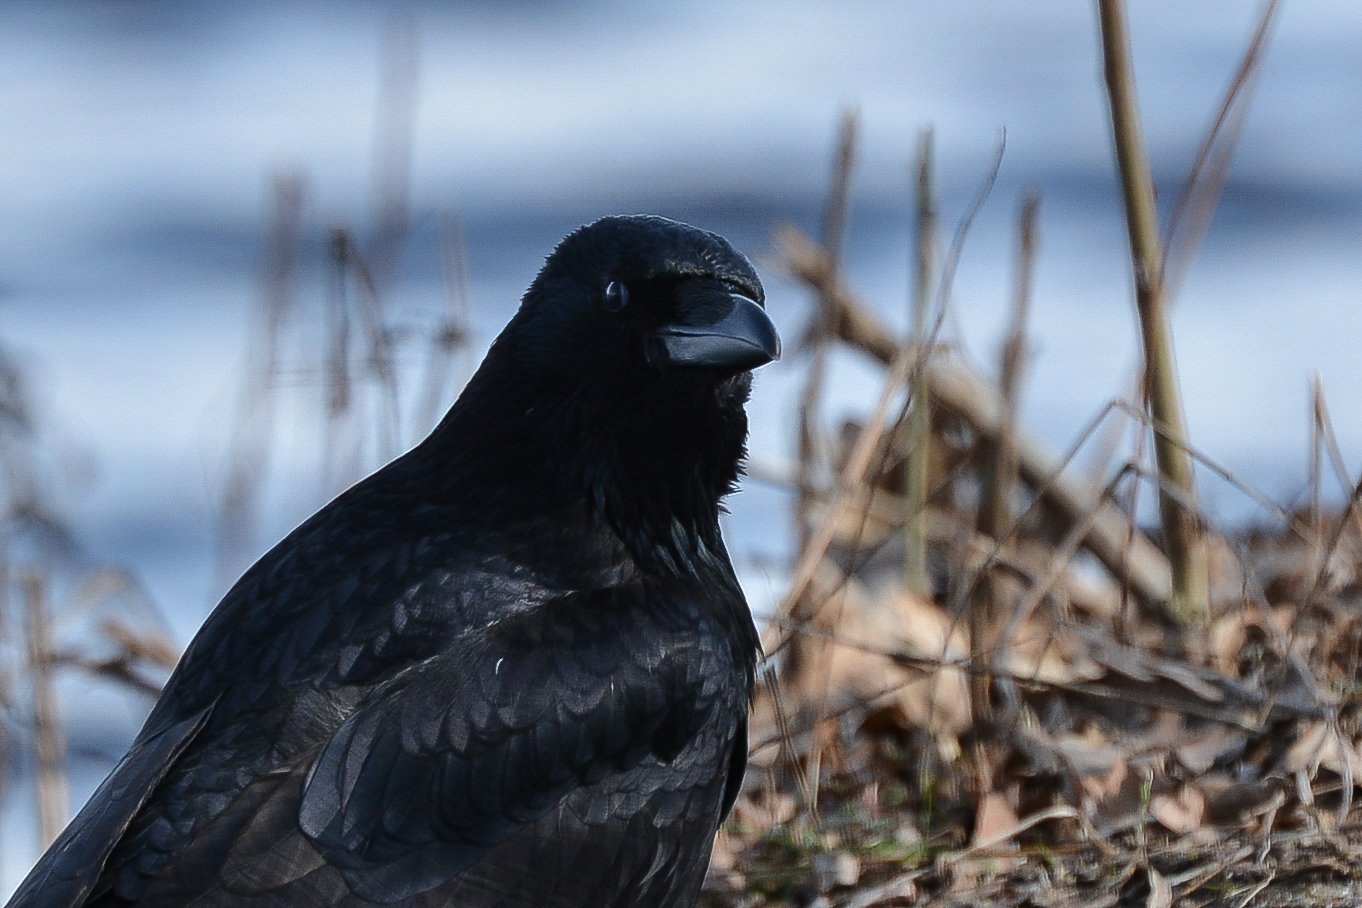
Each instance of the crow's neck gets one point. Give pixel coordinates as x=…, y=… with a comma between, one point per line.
x=652, y=470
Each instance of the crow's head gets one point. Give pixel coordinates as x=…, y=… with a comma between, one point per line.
x=643, y=302
x=623, y=375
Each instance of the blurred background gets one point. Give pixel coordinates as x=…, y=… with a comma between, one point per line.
x=249, y=251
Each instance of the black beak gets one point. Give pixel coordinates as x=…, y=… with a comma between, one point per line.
x=743, y=339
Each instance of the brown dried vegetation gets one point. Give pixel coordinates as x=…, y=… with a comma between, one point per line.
x=1040, y=728
x=974, y=692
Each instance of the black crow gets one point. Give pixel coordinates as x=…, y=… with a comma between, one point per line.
x=510, y=668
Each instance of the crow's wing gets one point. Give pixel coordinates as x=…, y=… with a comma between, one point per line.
x=457, y=754
x=71, y=867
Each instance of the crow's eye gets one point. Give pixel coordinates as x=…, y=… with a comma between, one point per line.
x=616, y=297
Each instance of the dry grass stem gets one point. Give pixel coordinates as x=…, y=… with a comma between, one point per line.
x=816, y=341
x=1197, y=199
x=394, y=126
x=252, y=437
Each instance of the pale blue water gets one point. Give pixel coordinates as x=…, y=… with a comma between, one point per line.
x=137, y=142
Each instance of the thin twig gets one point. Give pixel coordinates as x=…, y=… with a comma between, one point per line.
x=1330, y=439
x=1057, y=812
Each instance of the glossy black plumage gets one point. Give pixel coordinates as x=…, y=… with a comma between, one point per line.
x=510, y=668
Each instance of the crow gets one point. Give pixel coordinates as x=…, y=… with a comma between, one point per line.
x=510, y=668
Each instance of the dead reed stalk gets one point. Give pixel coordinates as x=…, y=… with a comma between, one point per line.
x=53, y=793
x=819, y=333
x=998, y=469
x=917, y=434
x=1182, y=531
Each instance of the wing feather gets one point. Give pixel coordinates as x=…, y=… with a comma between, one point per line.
x=69, y=870
x=458, y=753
